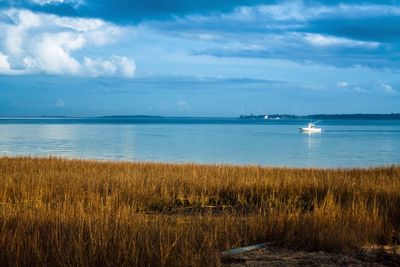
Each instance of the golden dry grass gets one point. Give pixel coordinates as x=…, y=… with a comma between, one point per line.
x=57, y=212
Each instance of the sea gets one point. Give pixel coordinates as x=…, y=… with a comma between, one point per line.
x=342, y=143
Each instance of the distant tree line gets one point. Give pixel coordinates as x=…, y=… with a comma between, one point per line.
x=357, y=116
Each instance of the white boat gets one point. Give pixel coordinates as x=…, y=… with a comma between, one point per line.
x=310, y=129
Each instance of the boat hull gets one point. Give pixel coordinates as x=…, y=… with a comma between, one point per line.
x=310, y=130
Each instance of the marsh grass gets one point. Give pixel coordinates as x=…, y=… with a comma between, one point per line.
x=57, y=212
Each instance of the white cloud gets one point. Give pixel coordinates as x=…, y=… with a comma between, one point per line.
x=42, y=43
x=120, y=66
x=388, y=89
x=342, y=85
x=351, y=87
x=358, y=89
x=52, y=54
x=74, y=3
x=291, y=14
x=325, y=40
x=46, y=2
x=375, y=87
x=301, y=11
x=4, y=65
x=15, y=34
x=98, y=67
x=364, y=10
x=293, y=10
x=126, y=66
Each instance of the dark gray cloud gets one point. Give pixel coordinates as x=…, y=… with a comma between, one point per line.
x=133, y=11
x=374, y=28
x=124, y=11
x=339, y=53
x=343, y=35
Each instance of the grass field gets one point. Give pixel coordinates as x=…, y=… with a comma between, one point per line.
x=58, y=212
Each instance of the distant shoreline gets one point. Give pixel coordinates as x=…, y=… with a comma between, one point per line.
x=357, y=116
x=352, y=116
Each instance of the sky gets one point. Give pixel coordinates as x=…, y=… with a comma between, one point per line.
x=198, y=57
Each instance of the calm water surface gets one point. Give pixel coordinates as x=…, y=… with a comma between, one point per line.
x=205, y=140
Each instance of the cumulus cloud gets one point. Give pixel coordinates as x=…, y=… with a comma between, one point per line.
x=41, y=43
x=351, y=87
x=116, y=66
x=4, y=65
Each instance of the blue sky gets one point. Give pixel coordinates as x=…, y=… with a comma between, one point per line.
x=198, y=58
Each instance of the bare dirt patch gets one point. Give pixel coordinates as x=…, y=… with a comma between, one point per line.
x=278, y=257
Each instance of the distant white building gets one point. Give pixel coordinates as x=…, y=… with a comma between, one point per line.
x=266, y=117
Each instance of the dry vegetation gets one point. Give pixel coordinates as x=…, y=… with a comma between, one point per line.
x=59, y=212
